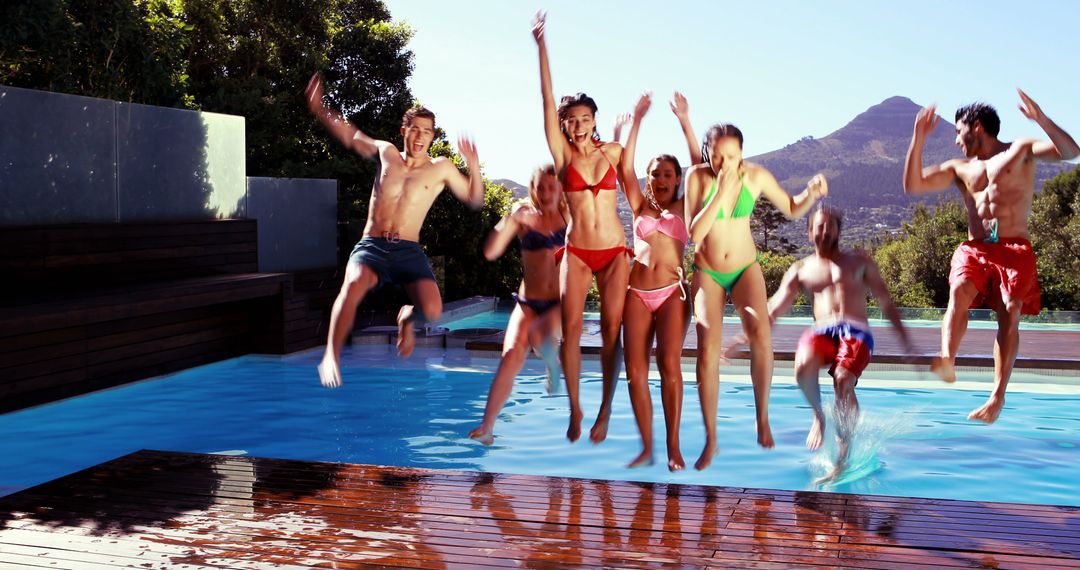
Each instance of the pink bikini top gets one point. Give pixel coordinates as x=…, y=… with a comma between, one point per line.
x=668, y=224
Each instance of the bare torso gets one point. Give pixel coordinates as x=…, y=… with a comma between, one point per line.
x=402, y=194
x=838, y=287
x=540, y=273
x=998, y=190
x=594, y=218
x=729, y=245
x=660, y=258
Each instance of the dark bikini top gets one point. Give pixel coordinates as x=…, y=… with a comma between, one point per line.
x=534, y=240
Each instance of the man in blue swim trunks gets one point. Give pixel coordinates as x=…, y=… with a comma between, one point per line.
x=408, y=183
x=838, y=283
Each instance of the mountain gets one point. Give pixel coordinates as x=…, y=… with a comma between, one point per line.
x=520, y=191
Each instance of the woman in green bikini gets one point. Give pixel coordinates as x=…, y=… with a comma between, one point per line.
x=720, y=197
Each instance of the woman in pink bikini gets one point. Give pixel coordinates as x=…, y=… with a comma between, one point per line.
x=540, y=226
x=595, y=242
x=657, y=302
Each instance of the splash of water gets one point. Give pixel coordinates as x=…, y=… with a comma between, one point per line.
x=871, y=433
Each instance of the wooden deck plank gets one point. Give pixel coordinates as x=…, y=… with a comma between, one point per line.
x=159, y=509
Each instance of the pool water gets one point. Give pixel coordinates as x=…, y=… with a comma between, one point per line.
x=497, y=319
x=417, y=412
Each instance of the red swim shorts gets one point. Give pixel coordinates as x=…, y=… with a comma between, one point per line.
x=1006, y=268
x=840, y=344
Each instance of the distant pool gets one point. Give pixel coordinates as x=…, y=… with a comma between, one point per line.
x=497, y=319
x=913, y=441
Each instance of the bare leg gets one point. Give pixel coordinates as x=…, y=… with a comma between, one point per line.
x=672, y=320
x=544, y=335
x=359, y=279
x=1005, y=349
x=574, y=281
x=807, y=368
x=612, y=282
x=638, y=334
x=751, y=301
x=425, y=294
x=709, y=298
x=847, y=413
x=515, y=345
x=953, y=327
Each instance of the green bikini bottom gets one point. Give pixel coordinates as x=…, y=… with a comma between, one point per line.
x=727, y=279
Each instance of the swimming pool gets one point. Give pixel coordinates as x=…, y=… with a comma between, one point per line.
x=497, y=319
x=914, y=439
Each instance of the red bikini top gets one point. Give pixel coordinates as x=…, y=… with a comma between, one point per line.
x=574, y=182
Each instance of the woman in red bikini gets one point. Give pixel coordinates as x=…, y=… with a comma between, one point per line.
x=540, y=226
x=720, y=197
x=657, y=302
x=595, y=242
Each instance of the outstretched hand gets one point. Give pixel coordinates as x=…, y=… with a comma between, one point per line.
x=621, y=120
x=467, y=148
x=642, y=105
x=1029, y=108
x=679, y=106
x=314, y=92
x=819, y=187
x=538, y=23
x=927, y=120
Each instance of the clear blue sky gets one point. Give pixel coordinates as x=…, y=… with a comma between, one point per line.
x=780, y=70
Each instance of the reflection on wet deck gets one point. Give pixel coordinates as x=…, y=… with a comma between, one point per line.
x=179, y=510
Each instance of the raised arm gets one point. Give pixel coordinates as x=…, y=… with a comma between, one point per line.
x=791, y=206
x=681, y=108
x=504, y=232
x=1061, y=146
x=556, y=141
x=627, y=172
x=919, y=180
x=881, y=292
x=469, y=190
x=785, y=294
x=702, y=214
x=342, y=130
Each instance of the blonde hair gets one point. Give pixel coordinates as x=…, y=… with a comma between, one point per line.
x=534, y=183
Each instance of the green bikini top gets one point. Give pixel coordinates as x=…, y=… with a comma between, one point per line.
x=744, y=206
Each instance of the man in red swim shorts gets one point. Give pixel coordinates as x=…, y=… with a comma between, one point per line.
x=837, y=282
x=996, y=266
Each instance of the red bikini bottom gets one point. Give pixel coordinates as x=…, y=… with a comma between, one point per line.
x=596, y=259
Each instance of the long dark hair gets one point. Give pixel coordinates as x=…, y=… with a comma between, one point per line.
x=718, y=131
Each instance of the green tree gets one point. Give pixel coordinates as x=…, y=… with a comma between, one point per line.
x=915, y=265
x=1055, y=235
x=126, y=50
x=765, y=224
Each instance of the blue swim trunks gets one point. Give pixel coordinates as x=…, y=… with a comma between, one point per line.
x=395, y=262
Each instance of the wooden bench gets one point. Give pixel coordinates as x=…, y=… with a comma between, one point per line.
x=88, y=306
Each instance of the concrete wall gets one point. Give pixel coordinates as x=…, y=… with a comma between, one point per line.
x=66, y=158
x=297, y=222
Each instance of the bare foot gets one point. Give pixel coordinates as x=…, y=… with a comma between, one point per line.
x=989, y=411
x=944, y=369
x=598, y=433
x=645, y=459
x=675, y=461
x=329, y=373
x=482, y=435
x=406, y=340
x=816, y=437
x=764, y=436
x=573, y=433
x=707, y=455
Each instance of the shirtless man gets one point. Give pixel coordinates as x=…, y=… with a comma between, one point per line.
x=996, y=266
x=388, y=253
x=838, y=282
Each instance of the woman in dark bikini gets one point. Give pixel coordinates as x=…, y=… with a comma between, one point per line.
x=657, y=302
x=540, y=225
x=720, y=196
x=595, y=242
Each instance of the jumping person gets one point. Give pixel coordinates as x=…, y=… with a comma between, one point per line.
x=996, y=266
x=595, y=242
x=540, y=225
x=838, y=282
x=720, y=197
x=388, y=253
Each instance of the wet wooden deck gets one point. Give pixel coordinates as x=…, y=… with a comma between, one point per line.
x=177, y=510
x=1041, y=349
